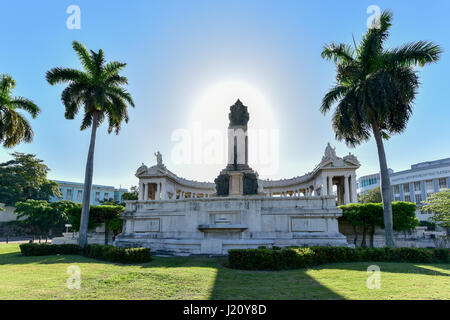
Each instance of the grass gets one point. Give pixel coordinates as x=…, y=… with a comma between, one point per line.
x=206, y=278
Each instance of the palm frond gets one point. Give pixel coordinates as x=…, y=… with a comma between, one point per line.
x=372, y=43
x=84, y=56
x=338, y=52
x=412, y=53
x=332, y=96
x=61, y=75
x=27, y=105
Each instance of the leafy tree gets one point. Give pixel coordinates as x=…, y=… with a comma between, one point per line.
x=25, y=177
x=430, y=225
x=374, y=91
x=108, y=214
x=367, y=216
x=439, y=204
x=99, y=89
x=373, y=195
x=370, y=215
x=111, y=202
x=14, y=128
x=132, y=194
x=41, y=216
x=404, y=216
x=350, y=214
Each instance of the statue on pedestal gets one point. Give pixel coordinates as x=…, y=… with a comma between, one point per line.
x=159, y=159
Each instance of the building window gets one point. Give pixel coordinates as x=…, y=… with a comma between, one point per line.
x=407, y=197
x=97, y=196
x=417, y=186
x=397, y=198
x=69, y=194
x=79, y=195
x=106, y=197
x=406, y=187
x=418, y=198
x=442, y=183
x=429, y=185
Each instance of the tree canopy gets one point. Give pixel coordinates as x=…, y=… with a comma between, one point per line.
x=375, y=86
x=373, y=195
x=370, y=215
x=108, y=214
x=14, y=127
x=439, y=204
x=42, y=216
x=132, y=194
x=25, y=177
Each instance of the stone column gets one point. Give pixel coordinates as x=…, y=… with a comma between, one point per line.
x=158, y=191
x=354, y=198
x=346, y=190
x=330, y=185
x=145, y=185
x=325, y=186
x=163, y=191
x=141, y=191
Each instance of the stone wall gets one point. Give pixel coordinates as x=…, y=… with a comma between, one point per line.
x=215, y=225
x=418, y=238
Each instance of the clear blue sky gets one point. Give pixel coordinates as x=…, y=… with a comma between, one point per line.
x=176, y=50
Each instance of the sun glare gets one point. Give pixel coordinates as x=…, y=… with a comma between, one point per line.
x=212, y=107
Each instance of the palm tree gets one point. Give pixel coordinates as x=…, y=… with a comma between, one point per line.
x=14, y=128
x=98, y=88
x=374, y=93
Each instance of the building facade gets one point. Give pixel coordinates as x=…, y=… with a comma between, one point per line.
x=73, y=191
x=333, y=176
x=415, y=184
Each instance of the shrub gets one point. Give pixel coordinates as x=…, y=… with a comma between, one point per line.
x=45, y=249
x=430, y=225
x=302, y=257
x=101, y=252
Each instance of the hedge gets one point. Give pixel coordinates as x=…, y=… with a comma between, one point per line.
x=101, y=252
x=302, y=257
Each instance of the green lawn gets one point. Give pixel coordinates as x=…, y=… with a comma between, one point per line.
x=205, y=278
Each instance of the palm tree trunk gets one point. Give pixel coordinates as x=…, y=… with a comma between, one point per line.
x=82, y=237
x=385, y=184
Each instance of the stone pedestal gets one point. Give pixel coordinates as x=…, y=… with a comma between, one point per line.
x=217, y=224
x=236, y=184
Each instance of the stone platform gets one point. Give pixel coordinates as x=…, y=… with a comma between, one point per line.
x=216, y=224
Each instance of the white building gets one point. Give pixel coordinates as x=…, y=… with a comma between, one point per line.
x=73, y=191
x=415, y=184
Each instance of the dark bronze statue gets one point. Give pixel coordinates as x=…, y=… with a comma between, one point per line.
x=238, y=114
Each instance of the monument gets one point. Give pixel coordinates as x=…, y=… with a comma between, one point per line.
x=238, y=210
x=237, y=178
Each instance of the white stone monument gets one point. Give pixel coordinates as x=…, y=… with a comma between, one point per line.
x=184, y=217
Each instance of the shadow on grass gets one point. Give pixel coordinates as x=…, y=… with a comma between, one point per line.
x=241, y=284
